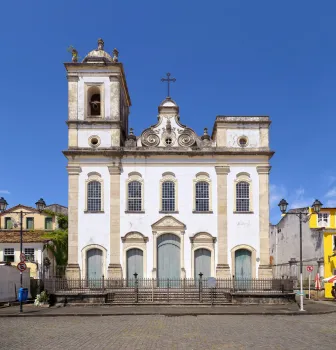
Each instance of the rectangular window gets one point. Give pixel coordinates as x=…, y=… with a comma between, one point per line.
x=8, y=223
x=30, y=223
x=242, y=197
x=29, y=253
x=48, y=224
x=134, y=196
x=202, y=196
x=94, y=196
x=168, y=196
x=334, y=242
x=9, y=254
x=323, y=220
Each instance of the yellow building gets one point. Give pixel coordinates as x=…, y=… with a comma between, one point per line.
x=326, y=220
x=34, y=226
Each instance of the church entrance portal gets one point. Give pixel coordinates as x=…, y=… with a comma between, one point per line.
x=168, y=257
x=243, y=264
x=202, y=263
x=134, y=263
x=94, y=264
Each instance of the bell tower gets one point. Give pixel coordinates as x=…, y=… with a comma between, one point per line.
x=98, y=100
x=98, y=109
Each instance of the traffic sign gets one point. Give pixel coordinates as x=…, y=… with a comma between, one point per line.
x=22, y=257
x=310, y=268
x=21, y=266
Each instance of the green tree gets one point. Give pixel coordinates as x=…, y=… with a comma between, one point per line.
x=58, y=243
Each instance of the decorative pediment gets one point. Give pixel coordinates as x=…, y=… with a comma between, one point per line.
x=168, y=132
x=203, y=237
x=168, y=222
x=134, y=236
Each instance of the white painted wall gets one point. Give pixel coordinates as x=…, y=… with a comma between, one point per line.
x=84, y=135
x=253, y=137
x=243, y=228
x=185, y=174
x=93, y=228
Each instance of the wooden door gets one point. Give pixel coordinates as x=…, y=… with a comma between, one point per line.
x=243, y=270
x=202, y=263
x=168, y=256
x=94, y=264
x=134, y=263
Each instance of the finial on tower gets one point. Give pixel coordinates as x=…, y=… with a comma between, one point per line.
x=205, y=135
x=100, y=44
x=115, y=55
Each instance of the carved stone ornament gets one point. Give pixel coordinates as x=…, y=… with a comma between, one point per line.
x=130, y=143
x=149, y=138
x=187, y=138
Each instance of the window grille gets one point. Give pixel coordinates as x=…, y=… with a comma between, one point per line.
x=29, y=253
x=323, y=220
x=134, y=196
x=168, y=196
x=202, y=196
x=94, y=196
x=242, y=197
x=9, y=254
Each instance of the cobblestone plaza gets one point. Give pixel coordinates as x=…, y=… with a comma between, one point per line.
x=161, y=332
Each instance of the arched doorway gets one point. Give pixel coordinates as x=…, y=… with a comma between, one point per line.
x=94, y=263
x=243, y=264
x=202, y=259
x=134, y=263
x=168, y=256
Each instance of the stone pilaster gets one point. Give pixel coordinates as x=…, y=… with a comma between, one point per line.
x=72, y=97
x=73, y=270
x=114, y=268
x=223, y=268
x=114, y=98
x=265, y=270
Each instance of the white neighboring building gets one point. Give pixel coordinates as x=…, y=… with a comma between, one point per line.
x=167, y=203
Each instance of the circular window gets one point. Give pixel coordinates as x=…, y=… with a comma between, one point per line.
x=242, y=141
x=168, y=141
x=94, y=141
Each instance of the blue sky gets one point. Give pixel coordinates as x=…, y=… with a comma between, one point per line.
x=229, y=58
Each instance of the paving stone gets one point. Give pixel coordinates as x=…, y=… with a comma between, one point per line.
x=160, y=332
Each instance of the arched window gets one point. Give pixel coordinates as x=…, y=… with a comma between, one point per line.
x=134, y=196
x=242, y=196
x=168, y=196
x=202, y=196
x=95, y=104
x=94, y=196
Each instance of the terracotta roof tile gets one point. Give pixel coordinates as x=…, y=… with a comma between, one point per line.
x=13, y=236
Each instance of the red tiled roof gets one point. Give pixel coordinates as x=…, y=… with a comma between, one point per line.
x=13, y=236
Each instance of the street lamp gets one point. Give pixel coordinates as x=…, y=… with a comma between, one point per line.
x=40, y=206
x=300, y=214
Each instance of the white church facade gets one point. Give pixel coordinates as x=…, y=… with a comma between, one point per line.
x=167, y=203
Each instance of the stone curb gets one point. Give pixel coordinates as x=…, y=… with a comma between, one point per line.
x=293, y=313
